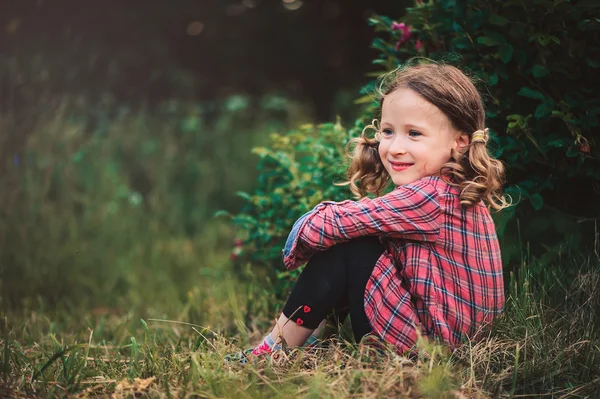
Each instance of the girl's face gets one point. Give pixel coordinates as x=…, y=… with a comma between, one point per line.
x=415, y=137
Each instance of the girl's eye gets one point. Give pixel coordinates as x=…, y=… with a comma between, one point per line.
x=387, y=132
x=414, y=133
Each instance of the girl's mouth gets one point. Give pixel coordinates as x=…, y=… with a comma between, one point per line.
x=400, y=166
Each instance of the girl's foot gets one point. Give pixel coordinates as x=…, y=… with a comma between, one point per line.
x=264, y=349
x=242, y=357
x=312, y=342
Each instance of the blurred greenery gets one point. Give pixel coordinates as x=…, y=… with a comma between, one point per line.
x=113, y=205
x=146, y=51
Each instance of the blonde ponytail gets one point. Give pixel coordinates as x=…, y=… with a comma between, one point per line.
x=366, y=173
x=478, y=176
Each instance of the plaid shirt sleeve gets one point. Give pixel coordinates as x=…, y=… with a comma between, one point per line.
x=410, y=212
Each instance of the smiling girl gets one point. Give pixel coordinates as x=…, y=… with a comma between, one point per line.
x=423, y=258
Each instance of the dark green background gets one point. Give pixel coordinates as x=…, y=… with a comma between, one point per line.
x=141, y=50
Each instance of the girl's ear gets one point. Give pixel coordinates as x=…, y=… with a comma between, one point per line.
x=462, y=142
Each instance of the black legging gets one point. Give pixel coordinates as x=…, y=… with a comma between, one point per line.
x=333, y=284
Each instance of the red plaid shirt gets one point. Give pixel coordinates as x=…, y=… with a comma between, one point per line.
x=441, y=272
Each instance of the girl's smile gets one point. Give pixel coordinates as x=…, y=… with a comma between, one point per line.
x=399, y=166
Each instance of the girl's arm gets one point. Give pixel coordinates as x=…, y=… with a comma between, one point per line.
x=410, y=212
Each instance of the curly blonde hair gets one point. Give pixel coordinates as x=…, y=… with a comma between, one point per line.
x=477, y=175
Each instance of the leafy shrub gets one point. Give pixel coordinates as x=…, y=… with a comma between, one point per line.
x=297, y=172
x=537, y=63
x=538, y=77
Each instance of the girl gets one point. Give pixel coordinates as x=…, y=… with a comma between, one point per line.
x=425, y=256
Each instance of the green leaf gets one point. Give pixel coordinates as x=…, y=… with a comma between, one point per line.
x=488, y=41
x=221, y=213
x=244, y=195
x=493, y=80
x=456, y=27
x=530, y=93
x=543, y=40
x=379, y=44
x=536, y=201
x=555, y=144
x=462, y=43
x=539, y=71
x=506, y=53
x=529, y=185
x=572, y=152
x=365, y=99
x=544, y=109
x=497, y=20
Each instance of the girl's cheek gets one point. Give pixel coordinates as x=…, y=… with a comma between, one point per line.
x=381, y=150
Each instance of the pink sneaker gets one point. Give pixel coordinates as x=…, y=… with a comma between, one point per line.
x=262, y=349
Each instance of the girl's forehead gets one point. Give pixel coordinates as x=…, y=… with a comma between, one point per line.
x=405, y=104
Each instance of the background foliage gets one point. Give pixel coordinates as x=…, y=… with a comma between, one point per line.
x=113, y=205
x=148, y=51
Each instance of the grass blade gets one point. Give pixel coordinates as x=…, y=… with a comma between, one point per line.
x=54, y=357
x=6, y=353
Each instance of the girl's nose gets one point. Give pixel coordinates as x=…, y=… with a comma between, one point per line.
x=398, y=146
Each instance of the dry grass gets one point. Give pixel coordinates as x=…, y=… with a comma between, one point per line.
x=170, y=365
x=534, y=350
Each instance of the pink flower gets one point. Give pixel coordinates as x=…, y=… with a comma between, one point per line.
x=237, y=249
x=402, y=27
x=406, y=33
x=398, y=26
x=418, y=45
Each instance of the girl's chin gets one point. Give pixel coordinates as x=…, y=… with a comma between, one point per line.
x=403, y=178
x=403, y=181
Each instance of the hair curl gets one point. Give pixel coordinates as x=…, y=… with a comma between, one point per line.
x=365, y=166
x=477, y=175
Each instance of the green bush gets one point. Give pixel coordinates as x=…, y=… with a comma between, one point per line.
x=535, y=63
x=297, y=172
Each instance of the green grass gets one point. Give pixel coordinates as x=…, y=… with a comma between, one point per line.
x=549, y=347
